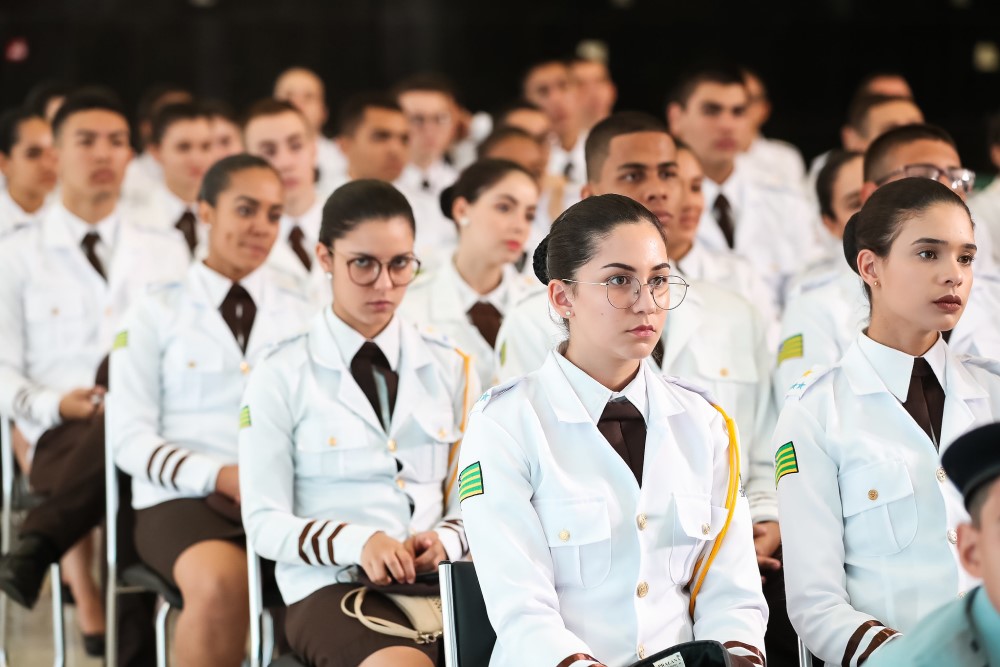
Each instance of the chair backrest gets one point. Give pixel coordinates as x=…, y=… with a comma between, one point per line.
x=468, y=635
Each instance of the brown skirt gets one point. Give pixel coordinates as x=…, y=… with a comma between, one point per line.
x=164, y=531
x=322, y=636
x=52, y=452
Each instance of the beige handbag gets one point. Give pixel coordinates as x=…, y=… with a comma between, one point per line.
x=423, y=612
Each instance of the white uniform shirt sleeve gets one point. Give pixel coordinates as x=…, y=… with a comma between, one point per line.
x=804, y=317
x=730, y=607
x=758, y=480
x=812, y=531
x=20, y=398
x=267, y=483
x=136, y=368
x=524, y=340
x=508, y=542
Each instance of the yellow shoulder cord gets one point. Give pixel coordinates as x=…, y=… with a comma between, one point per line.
x=731, y=495
x=453, y=452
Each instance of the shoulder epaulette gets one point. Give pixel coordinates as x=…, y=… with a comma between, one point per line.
x=991, y=365
x=690, y=386
x=494, y=393
x=807, y=380
x=273, y=348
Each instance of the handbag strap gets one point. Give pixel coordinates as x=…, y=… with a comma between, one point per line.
x=374, y=623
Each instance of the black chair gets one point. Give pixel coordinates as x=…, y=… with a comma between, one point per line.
x=468, y=635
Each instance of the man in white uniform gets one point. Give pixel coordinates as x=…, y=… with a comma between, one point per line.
x=28, y=165
x=429, y=103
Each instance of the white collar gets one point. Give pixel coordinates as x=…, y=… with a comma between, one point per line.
x=895, y=368
x=349, y=341
x=173, y=206
x=107, y=229
x=17, y=216
x=309, y=222
x=594, y=396
x=217, y=286
x=468, y=297
x=733, y=189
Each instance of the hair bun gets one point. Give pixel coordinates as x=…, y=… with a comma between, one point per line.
x=540, y=261
x=447, y=201
x=851, y=242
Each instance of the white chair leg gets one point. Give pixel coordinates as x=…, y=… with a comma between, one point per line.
x=267, y=623
x=58, y=626
x=162, y=614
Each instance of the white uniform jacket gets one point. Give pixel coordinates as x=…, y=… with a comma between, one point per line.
x=440, y=301
x=774, y=228
x=868, y=517
x=714, y=339
x=59, y=316
x=161, y=210
x=332, y=165
x=13, y=217
x=985, y=207
x=772, y=161
x=573, y=556
x=821, y=323
x=179, y=375
x=436, y=178
x=318, y=473
x=313, y=281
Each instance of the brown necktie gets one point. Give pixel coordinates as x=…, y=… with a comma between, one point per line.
x=724, y=216
x=623, y=427
x=186, y=225
x=657, y=353
x=89, y=244
x=239, y=311
x=368, y=361
x=295, y=239
x=925, y=400
x=486, y=318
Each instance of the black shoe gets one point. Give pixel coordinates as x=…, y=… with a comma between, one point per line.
x=93, y=645
x=23, y=569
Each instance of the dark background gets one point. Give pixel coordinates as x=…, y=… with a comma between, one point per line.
x=811, y=52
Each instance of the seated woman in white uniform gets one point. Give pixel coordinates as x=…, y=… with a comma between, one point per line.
x=868, y=516
x=349, y=442
x=179, y=367
x=601, y=499
x=493, y=203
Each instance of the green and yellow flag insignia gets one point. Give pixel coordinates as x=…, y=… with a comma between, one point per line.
x=121, y=340
x=245, y=417
x=503, y=354
x=791, y=348
x=470, y=482
x=785, y=462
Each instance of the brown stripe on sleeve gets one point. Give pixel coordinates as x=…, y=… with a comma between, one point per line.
x=149, y=466
x=757, y=658
x=315, y=542
x=173, y=477
x=163, y=466
x=855, y=641
x=877, y=641
x=302, y=541
x=569, y=660
x=329, y=542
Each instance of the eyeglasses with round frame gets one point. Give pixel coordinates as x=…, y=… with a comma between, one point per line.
x=364, y=270
x=624, y=295
x=959, y=178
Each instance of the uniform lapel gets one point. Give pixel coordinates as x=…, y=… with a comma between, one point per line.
x=681, y=325
x=415, y=377
x=962, y=395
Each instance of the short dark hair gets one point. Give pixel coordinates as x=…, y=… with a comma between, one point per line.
x=359, y=201
x=598, y=143
x=10, y=126
x=220, y=109
x=475, y=180
x=175, y=113
x=878, y=224
x=87, y=99
x=352, y=114
x=880, y=149
x=520, y=104
x=220, y=175
x=575, y=235
x=538, y=64
x=425, y=82
x=41, y=94
x=150, y=100
x=271, y=107
x=861, y=107
x=500, y=135
x=828, y=175
x=721, y=73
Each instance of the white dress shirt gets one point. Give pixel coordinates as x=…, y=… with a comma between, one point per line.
x=13, y=217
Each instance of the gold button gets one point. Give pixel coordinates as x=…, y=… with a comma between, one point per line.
x=400, y=483
x=442, y=433
x=191, y=364
x=724, y=372
x=55, y=311
x=641, y=521
x=391, y=445
x=872, y=494
x=332, y=441
x=244, y=367
x=641, y=651
x=941, y=475
x=564, y=535
x=705, y=529
x=953, y=536
x=961, y=595
x=642, y=589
